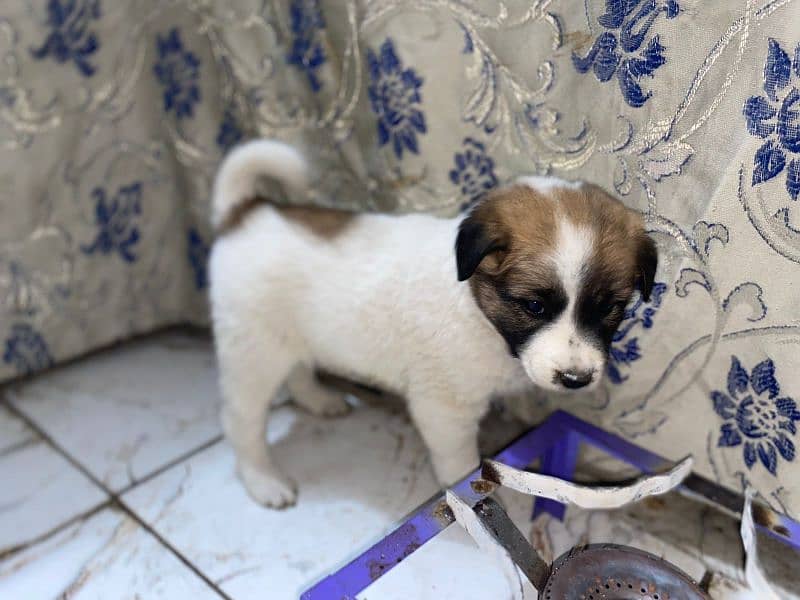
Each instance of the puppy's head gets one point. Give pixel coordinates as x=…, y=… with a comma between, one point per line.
x=553, y=265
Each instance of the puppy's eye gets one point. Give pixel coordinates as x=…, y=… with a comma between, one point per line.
x=535, y=307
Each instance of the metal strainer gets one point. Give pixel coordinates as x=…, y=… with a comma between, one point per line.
x=612, y=572
x=593, y=572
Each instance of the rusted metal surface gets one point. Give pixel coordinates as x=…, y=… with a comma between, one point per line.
x=612, y=572
x=482, y=486
x=511, y=538
x=443, y=513
x=479, y=528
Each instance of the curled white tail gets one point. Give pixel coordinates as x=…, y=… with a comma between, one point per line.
x=245, y=165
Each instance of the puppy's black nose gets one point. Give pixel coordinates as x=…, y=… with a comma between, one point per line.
x=574, y=379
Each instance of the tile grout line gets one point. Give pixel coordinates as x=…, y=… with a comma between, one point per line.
x=148, y=528
x=57, y=447
x=43, y=537
x=169, y=464
x=113, y=498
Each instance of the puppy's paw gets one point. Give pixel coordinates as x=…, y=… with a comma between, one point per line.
x=323, y=402
x=268, y=487
x=335, y=406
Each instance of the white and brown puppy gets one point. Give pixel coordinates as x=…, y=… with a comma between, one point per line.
x=526, y=289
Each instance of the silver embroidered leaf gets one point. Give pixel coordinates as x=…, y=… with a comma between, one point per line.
x=750, y=295
x=689, y=277
x=705, y=233
x=665, y=159
x=482, y=99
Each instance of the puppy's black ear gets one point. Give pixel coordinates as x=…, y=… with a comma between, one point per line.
x=473, y=244
x=647, y=263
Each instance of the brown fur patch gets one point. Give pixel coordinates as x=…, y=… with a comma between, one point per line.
x=325, y=223
x=618, y=232
x=237, y=216
x=522, y=224
x=523, y=221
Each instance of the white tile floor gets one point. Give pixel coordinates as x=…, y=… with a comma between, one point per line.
x=126, y=413
x=116, y=484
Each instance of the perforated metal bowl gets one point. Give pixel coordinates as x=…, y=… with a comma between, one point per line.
x=612, y=572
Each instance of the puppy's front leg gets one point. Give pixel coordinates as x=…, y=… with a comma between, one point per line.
x=450, y=430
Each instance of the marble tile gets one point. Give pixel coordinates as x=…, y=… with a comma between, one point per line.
x=128, y=411
x=40, y=489
x=696, y=528
x=106, y=555
x=13, y=431
x=713, y=537
x=357, y=476
x=449, y=566
x=780, y=564
x=724, y=588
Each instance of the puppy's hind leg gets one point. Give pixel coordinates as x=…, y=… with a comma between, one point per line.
x=308, y=392
x=251, y=374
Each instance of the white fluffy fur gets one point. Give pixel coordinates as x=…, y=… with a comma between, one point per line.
x=545, y=183
x=380, y=302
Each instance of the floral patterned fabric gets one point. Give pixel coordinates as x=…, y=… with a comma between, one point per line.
x=114, y=117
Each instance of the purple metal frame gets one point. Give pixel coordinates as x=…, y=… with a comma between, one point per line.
x=556, y=442
x=558, y=460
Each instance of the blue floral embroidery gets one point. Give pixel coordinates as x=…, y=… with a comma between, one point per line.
x=230, y=133
x=752, y=409
x=178, y=71
x=26, y=350
x=116, y=221
x=395, y=97
x=775, y=118
x=621, y=53
x=474, y=172
x=70, y=36
x=198, y=258
x=307, y=53
x=625, y=351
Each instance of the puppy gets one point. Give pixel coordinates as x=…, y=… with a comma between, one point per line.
x=527, y=289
